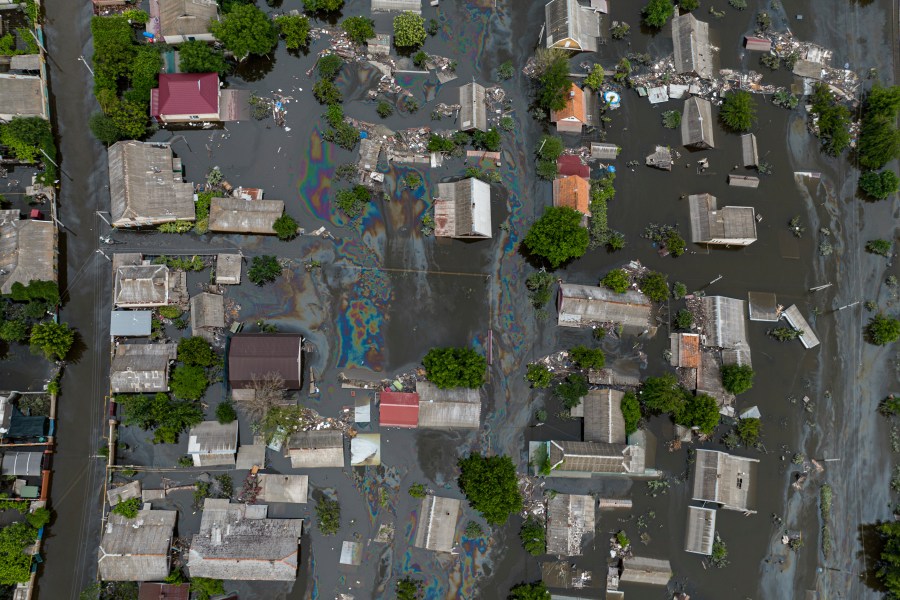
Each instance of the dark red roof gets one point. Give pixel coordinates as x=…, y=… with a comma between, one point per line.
x=571, y=165
x=185, y=94
x=165, y=591
x=256, y=354
x=399, y=409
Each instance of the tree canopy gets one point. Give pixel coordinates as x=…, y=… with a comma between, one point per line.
x=359, y=29
x=264, y=269
x=26, y=136
x=888, y=568
x=196, y=351
x=294, y=29
x=631, y=412
x=15, y=565
x=195, y=56
x=657, y=13
x=879, y=138
x=245, y=30
x=285, y=227
x=882, y=330
x=53, y=340
x=737, y=379
x=455, y=367
x=558, y=236
x=572, y=390
x=879, y=184
x=699, y=411
x=738, y=111
x=655, y=286
x=537, y=374
x=529, y=591
x=587, y=358
x=188, y=382
x=663, y=394
x=834, y=121
x=533, y=536
x=409, y=30
x=491, y=486
x=322, y=5
x=165, y=416
x=553, y=80
x=617, y=280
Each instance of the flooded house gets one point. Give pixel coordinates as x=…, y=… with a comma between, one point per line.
x=454, y=408
x=603, y=419
x=693, y=52
x=728, y=226
x=565, y=575
x=700, y=530
x=398, y=409
x=211, y=443
x=177, y=21
x=697, y=124
x=164, y=591
x=462, y=209
x=651, y=571
x=252, y=356
x=239, y=542
x=472, y=108
x=228, y=269
x=142, y=286
x=685, y=350
x=796, y=320
x=570, y=520
x=569, y=164
x=414, y=6
x=237, y=215
x=725, y=479
x=573, y=192
x=278, y=488
x=573, y=116
x=141, y=368
x=21, y=96
x=316, y=449
x=130, y=323
x=582, y=459
x=146, y=186
x=571, y=26
x=604, y=151
x=207, y=315
x=185, y=98
x=749, y=151
x=137, y=549
x=437, y=523
x=725, y=327
x=28, y=250
x=590, y=306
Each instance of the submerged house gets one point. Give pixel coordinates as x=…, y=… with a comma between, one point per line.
x=207, y=315
x=414, y=6
x=238, y=542
x=21, y=96
x=437, y=523
x=254, y=355
x=595, y=457
x=590, y=306
x=141, y=368
x=603, y=419
x=186, y=98
x=570, y=518
x=573, y=192
x=725, y=479
x=651, y=571
x=749, y=150
x=236, y=215
x=573, y=116
x=700, y=530
x=28, y=250
x=728, y=226
x=454, y=408
x=697, y=124
x=693, y=52
x=725, y=327
x=398, y=409
x=146, y=186
x=571, y=26
x=137, y=549
x=141, y=286
x=472, y=108
x=462, y=209
x=211, y=443
x=316, y=449
x=228, y=269
x=177, y=21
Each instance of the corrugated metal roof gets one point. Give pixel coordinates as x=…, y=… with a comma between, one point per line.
x=141, y=368
x=141, y=286
x=583, y=306
x=569, y=164
x=236, y=215
x=137, y=549
x=697, y=124
x=462, y=209
x=693, y=53
x=316, y=449
x=398, y=409
x=793, y=316
x=749, y=150
x=571, y=26
x=700, y=531
x=472, y=109
x=437, y=523
x=28, y=250
x=726, y=479
x=570, y=518
x=256, y=354
x=603, y=419
x=21, y=96
x=645, y=570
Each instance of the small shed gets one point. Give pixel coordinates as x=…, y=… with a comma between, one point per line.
x=275, y=487
x=207, y=315
x=449, y=408
x=573, y=116
x=725, y=479
x=700, y=530
x=351, y=554
x=316, y=449
x=749, y=151
x=141, y=286
x=472, y=108
x=602, y=151
x=685, y=350
x=588, y=306
x=228, y=269
x=164, y=591
x=658, y=95
x=123, y=493
x=693, y=53
x=136, y=549
x=462, y=209
x=414, y=6
x=211, y=443
x=571, y=26
x=236, y=215
x=744, y=181
x=141, y=368
x=697, y=124
x=763, y=307
x=757, y=44
x=651, y=571
x=398, y=409
x=603, y=419
x=570, y=519
x=437, y=523
x=570, y=164
x=253, y=355
x=573, y=192
x=793, y=316
x=729, y=226
x=130, y=323
x=614, y=504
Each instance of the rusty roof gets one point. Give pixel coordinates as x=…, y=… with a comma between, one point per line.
x=575, y=107
x=574, y=192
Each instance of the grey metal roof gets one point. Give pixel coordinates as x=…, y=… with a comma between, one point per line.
x=22, y=464
x=145, y=187
x=749, y=151
x=316, y=449
x=571, y=26
x=693, y=53
x=186, y=17
x=21, y=96
x=645, y=570
x=137, y=549
x=249, y=456
x=212, y=437
x=603, y=420
x=437, y=523
x=275, y=487
x=700, y=531
x=763, y=306
x=614, y=377
x=123, y=493
x=806, y=68
x=414, y=6
x=697, y=124
x=710, y=225
x=207, y=311
x=134, y=323
x=228, y=269
x=726, y=322
x=586, y=305
x=236, y=215
x=472, y=109
x=595, y=457
x=726, y=479
x=238, y=542
x=570, y=517
x=25, y=62
x=28, y=250
x=449, y=408
x=141, y=286
x=745, y=181
x=141, y=368
x=604, y=151
x=463, y=209
x=808, y=337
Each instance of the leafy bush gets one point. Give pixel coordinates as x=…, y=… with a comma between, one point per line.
x=417, y=490
x=631, y=412
x=322, y=5
x=329, y=66
x=491, y=486
x=699, y=411
x=294, y=29
x=35, y=290
x=328, y=515
x=655, y=285
x=558, y=236
x=203, y=588
x=834, y=121
x=14, y=330
x=128, y=508
x=663, y=394
x=53, y=340
x=617, y=280
x=538, y=375
x=225, y=413
x=285, y=227
x=352, y=201
x=506, y=71
x=455, y=367
x=587, y=358
x=538, y=284
x=738, y=111
x=882, y=330
x=748, y=431
x=880, y=247
x=169, y=311
x=409, y=589
x=385, y=110
x=359, y=29
x=38, y=517
x=622, y=539
x=719, y=556
x=409, y=30
x=684, y=319
x=326, y=92
x=595, y=78
x=688, y=5
x=657, y=13
x=487, y=140
x=196, y=351
x=25, y=137
x=572, y=390
x=245, y=30
x=879, y=184
x=737, y=379
x=671, y=119
x=533, y=536
x=188, y=382
x=264, y=269
x=529, y=591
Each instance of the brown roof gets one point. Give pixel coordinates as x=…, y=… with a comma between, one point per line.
x=574, y=192
x=165, y=591
x=575, y=106
x=255, y=354
x=685, y=350
x=186, y=17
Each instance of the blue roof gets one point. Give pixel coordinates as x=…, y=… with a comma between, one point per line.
x=130, y=323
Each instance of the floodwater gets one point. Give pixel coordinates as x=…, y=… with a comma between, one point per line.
x=385, y=294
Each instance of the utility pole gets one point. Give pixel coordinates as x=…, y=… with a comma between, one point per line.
x=103, y=254
x=820, y=287
x=100, y=214
x=714, y=280
x=81, y=58
x=849, y=305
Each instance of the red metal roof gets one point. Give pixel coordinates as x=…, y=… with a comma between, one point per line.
x=399, y=409
x=185, y=94
x=569, y=164
x=164, y=591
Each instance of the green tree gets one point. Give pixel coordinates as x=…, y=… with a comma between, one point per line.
x=264, y=269
x=880, y=247
x=888, y=568
x=26, y=136
x=144, y=74
x=104, y=129
x=188, y=383
x=587, y=358
x=737, y=379
x=617, y=280
x=748, y=431
x=688, y=5
x=352, y=201
x=15, y=565
x=699, y=411
x=455, y=367
x=558, y=236
x=533, y=536
x=38, y=517
x=385, y=110
x=487, y=140
x=655, y=286
x=572, y=390
x=684, y=319
x=14, y=330
x=167, y=418
x=879, y=184
x=595, y=78
x=204, y=589
x=53, y=340
x=329, y=66
x=491, y=486
x=409, y=589
x=225, y=413
x=409, y=30
x=322, y=5
x=529, y=591
x=553, y=81
x=114, y=49
x=738, y=111
x=879, y=138
x=882, y=330
x=245, y=30
x=328, y=515
x=663, y=394
x=833, y=121
x=285, y=227
x=195, y=56
x=196, y=351
x=538, y=375
x=359, y=29
x=294, y=29
x=631, y=412
x=657, y=13
x=550, y=147
x=326, y=92
x=130, y=118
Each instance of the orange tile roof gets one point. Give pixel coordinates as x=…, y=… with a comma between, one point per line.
x=575, y=106
x=689, y=351
x=574, y=192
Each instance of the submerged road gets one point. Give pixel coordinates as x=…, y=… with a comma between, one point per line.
x=70, y=549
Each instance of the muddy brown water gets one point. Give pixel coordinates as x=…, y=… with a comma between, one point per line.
x=452, y=293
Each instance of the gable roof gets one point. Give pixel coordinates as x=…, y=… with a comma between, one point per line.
x=212, y=437
x=136, y=549
x=472, y=109
x=255, y=354
x=450, y=408
x=726, y=479
x=316, y=449
x=28, y=250
x=710, y=223
x=575, y=107
x=570, y=164
x=685, y=348
x=185, y=94
x=573, y=192
x=141, y=368
x=568, y=20
x=570, y=517
x=603, y=419
x=697, y=129
x=584, y=305
x=636, y=569
x=236, y=215
x=207, y=311
x=725, y=324
x=437, y=523
x=595, y=457
x=463, y=209
x=398, y=409
x=693, y=53
x=186, y=17
x=700, y=531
